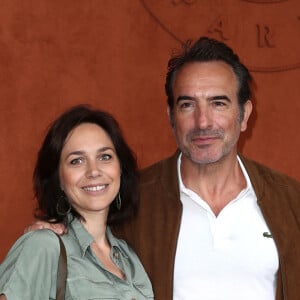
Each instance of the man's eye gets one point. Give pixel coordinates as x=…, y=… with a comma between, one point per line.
x=219, y=103
x=76, y=161
x=185, y=105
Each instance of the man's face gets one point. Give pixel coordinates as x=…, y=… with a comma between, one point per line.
x=206, y=116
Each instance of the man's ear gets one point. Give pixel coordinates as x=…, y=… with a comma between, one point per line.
x=247, y=113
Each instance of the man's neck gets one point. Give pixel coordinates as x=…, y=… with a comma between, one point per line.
x=216, y=183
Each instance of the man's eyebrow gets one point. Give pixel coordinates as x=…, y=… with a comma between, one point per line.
x=183, y=97
x=219, y=97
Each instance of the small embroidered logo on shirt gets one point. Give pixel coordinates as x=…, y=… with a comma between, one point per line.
x=267, y=235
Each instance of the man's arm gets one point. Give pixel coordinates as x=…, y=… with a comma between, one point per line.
x=37, y=225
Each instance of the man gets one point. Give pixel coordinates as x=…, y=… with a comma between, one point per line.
x=211, y=223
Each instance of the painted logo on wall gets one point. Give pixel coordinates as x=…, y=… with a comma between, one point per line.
x=265, y=33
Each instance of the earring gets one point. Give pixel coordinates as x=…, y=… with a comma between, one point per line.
x=61, y=205
x=119, y=201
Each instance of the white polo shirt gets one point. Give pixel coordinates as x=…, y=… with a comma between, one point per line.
x=228, y=257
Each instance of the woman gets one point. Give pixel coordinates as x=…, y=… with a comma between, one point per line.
x=85, y=177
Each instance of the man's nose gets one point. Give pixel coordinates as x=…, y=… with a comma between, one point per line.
x=202, y=117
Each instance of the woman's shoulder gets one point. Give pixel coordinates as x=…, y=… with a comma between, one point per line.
x=31, y=262
x=36, y=242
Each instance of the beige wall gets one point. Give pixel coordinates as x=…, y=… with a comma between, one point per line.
x=113, y=54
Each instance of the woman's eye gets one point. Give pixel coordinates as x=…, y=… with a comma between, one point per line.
x=76, y=161
x=105, y=157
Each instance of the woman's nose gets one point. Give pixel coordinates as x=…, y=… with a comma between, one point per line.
x=93, y=170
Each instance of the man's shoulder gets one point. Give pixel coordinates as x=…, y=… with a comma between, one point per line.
x=160, y=169
x=259, y=170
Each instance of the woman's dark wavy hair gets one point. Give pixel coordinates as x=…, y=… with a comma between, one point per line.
x=205, y=50
x=46, y=173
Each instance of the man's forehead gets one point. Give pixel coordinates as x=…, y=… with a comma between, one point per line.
x=211, y=77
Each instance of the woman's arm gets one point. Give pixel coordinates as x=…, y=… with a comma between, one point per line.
x=2, y=297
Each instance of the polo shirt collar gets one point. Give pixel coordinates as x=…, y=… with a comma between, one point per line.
x=187, y=191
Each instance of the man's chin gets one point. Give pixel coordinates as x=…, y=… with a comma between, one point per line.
x=202, y=159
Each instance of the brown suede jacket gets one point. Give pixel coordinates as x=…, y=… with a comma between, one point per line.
x=154, y=231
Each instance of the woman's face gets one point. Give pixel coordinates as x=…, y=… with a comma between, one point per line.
x=89, y=170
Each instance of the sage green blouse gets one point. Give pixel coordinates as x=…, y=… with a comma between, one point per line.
x=30, y=269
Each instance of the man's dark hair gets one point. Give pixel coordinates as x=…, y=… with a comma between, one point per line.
x=46, y=174
x=205, y=50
